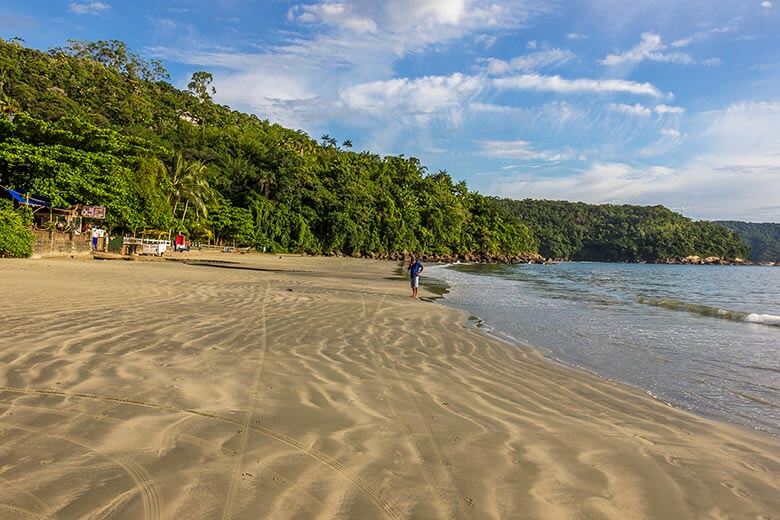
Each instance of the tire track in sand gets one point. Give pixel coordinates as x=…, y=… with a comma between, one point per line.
x=47, y=513
x=453, y=489
x=390, y=509
x=140, y=477
x=69, y=417
x=406, y=429
x=9, y=512
x=235, y=478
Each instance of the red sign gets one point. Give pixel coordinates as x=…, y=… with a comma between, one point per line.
x=93, y=211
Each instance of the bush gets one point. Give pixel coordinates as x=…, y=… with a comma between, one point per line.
x=16, y=239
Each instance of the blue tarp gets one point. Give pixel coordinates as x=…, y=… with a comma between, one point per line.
x=27, y=200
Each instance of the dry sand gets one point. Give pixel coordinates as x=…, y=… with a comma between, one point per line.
x=316, y=388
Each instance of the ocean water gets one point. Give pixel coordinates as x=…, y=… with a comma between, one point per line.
x=703, y=338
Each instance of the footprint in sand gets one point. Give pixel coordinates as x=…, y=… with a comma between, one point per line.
x=674, y=461
x=734, y=489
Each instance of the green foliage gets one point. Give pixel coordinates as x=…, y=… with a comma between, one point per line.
x=94, y=123
x=102, y=128
x=579, y=231
x=72, y=161
x=199, y=85
x=16, y=239
x=115, y=55
x=763, y=239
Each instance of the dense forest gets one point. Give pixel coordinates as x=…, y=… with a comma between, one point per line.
x=94, y=123
x=578, y=231
x=763, y=239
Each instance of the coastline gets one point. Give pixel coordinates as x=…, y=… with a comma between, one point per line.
x=315, y=387
x=576, y=337
x=478, y=324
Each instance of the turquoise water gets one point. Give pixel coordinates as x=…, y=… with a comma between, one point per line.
x=703, y=338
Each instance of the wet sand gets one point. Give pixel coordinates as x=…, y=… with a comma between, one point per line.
x=316, y=388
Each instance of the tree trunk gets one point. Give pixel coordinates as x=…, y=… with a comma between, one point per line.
x=186, y=206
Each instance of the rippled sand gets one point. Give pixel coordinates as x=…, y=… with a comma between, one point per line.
x=316, y=388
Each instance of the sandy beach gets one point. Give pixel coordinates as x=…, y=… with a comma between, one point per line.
x=299, y=387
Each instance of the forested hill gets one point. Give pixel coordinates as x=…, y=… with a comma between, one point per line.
x=578, y=231
x=94, y=123
x=763, y=239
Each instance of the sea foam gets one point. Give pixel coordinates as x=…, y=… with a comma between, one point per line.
x=766, y=319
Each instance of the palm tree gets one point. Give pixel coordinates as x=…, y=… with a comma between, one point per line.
x=191, y=186
x=8, y=106
x=266, y=182
x=328, y=141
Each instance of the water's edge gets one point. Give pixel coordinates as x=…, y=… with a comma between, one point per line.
x=441, y=287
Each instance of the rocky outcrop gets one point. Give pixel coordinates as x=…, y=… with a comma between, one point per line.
x=476, y=258
x=710, y=260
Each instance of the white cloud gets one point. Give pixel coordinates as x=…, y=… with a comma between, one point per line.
x=735, y=175
x=517, y=149
x=490, y=108
x=300, y=81
x=633, y=110
x=766, y=5
x=93, y=8
x=531, y=44
x=666, y=109
x=413, y=22
x=576, y=36
x=671, y=132
x=530, y=62
x=649, y=48
x=570, y=86
x=669, y=140
x=335, y=14
x=683, y=42
x=745, y=135
x=600, y=183
x=486, y=40
x=520, y=150
x=428, y=95
x=617, y=17
x=552, y=116
x=703, y=35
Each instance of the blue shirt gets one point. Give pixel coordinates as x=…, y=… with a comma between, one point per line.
x=415, y=269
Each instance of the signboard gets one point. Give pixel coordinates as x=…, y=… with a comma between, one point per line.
x=154, y=247
x=93, y=211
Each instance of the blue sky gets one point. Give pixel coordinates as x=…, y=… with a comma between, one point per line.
x=604, y=101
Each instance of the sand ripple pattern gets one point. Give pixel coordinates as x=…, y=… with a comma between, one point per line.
x=315, y=388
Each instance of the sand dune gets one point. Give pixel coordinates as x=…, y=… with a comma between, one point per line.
x=316, y=388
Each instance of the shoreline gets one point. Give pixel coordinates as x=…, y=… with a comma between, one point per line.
x=485, y=326
x=304, y=386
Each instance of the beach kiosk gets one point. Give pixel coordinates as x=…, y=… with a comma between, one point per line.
x=144, y=246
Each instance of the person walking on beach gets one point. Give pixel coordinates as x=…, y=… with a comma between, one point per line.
x=415, y=268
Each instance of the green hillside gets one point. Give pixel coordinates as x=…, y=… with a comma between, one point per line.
x=578, y=231
x=93, y=123
x=763, y=239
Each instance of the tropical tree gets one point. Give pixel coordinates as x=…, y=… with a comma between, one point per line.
x=190, y=187
x=8, y=106
x=199, y=85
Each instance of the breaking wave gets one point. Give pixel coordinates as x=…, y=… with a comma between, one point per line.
x=766, y=319
x=713, y=312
